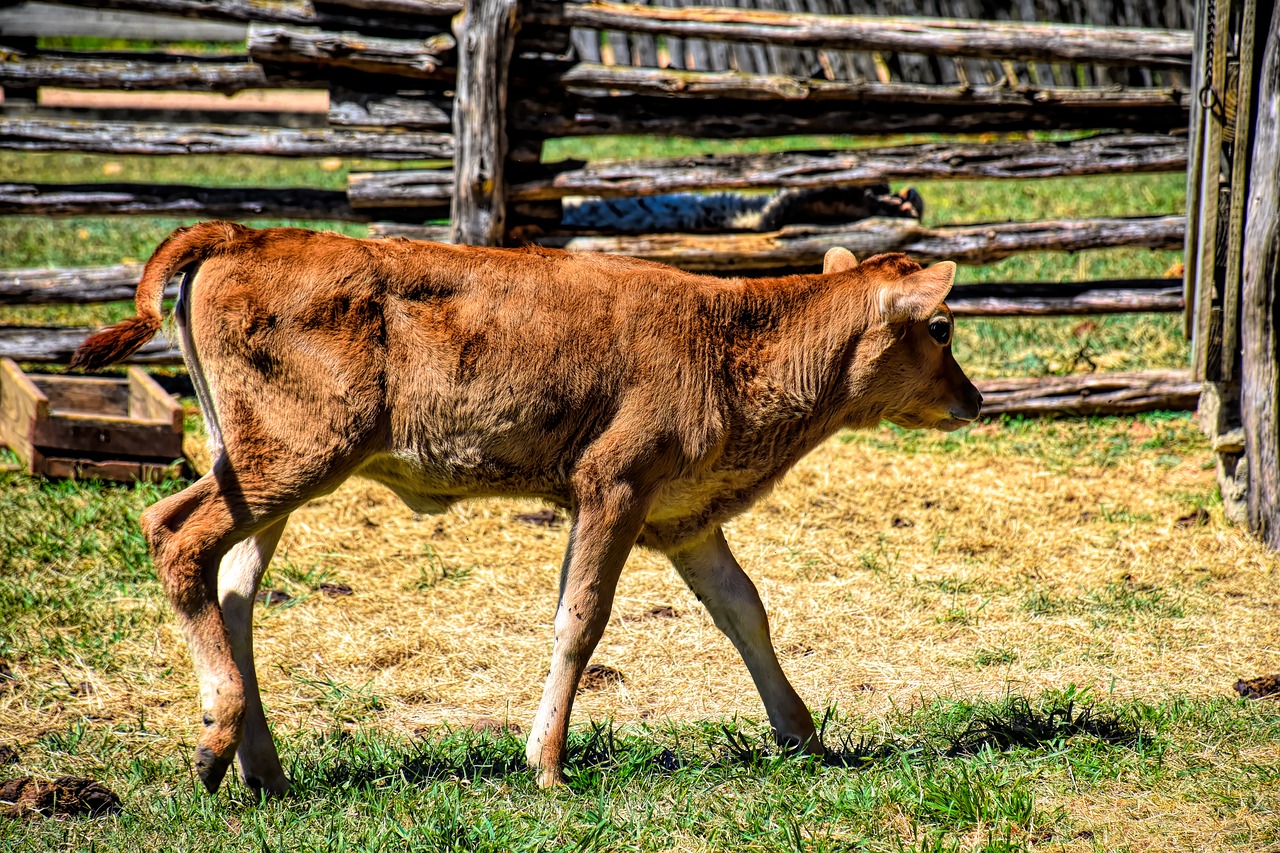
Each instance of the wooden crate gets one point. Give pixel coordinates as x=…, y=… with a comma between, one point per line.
x=91, y=427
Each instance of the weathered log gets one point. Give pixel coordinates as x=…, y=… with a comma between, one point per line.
x=567, y=114
x=1091, y=394
x=146, y=72
x=408, y=8
x=1260, y=301
x=45, y=20
x=55, y=344
x=63, y=286
x=1107, y=154
x=416, y=59
x=487, y=33
x=224, y=117
x=401, y=188
x=405, y=231
x=803, y=246
x=329, y=14
x=1047, y=299
x=142, y=138
x=768, y=87
x=937, y=37
x=187, y=202
x=402, y=111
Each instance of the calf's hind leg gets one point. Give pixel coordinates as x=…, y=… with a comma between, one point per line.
x=189, y=534
x=238, y=579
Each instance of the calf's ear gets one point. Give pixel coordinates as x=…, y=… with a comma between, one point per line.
x=916, y=296
x=838, y=259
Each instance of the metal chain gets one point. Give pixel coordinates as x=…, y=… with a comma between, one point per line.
x=1208, y=96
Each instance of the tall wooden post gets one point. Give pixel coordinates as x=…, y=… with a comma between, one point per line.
x=486, y=34
x=1260, y=323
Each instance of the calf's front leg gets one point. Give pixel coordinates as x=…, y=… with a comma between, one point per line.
x=604, y=530
x=715, y=577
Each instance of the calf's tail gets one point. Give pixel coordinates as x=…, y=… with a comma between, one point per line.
x=183, y=248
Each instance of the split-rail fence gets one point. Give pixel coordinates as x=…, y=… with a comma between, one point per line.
x=481, y=90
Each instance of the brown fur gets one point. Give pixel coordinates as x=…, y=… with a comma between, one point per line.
x=652, y=404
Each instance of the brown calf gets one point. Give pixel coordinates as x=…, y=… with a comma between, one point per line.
x=652, y=404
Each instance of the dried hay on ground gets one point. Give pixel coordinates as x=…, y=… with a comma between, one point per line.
x=889, y=577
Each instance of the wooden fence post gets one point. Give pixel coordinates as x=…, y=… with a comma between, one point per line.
x=1260, y=333
x=486, y=34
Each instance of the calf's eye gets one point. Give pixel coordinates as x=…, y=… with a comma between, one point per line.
x=940, y=331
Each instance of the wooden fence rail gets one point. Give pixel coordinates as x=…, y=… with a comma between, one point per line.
x=803, y=246
x=1100, y=155
x=118, y=137
x=1040, y=42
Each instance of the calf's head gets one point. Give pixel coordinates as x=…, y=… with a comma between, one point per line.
x=907, y=364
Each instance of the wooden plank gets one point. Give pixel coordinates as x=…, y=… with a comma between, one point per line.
x=1207, y=329
x=322, y=51
x=1090, y=394
x=1107, y=154
x=115, y=436
x=769, y=87
x=803, y=246
x=332, y=14
x=404, y=231
x=1048, y=299
x=147, y=72
x=71, y=285
x=1260, y=290
x=187, y=202
x=149, y=402
x=349, y=108
x=111, y=137
x=55, y=20
x=22, y=405
x=122, y=471
x=572, y=114
x=487, y=35
x=84, y=394
x=1243, y=99
x=120, y=108
x=1195, y=165
x=930, y=36
x=55, y=344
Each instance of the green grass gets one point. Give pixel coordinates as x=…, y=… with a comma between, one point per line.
x=946, y=775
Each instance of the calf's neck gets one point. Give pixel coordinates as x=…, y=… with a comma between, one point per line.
x=651, y=404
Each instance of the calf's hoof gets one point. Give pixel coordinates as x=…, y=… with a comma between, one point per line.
x=211, y=768
x=268, y=789
x=550, y=777
x=801, y=744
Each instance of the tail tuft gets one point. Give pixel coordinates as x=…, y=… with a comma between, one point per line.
x=116, y=343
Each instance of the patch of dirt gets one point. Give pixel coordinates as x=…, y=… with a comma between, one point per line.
x=334, y=590
x=7, y=681
x=270, y=597
x=68, y=796
x=8, y=755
